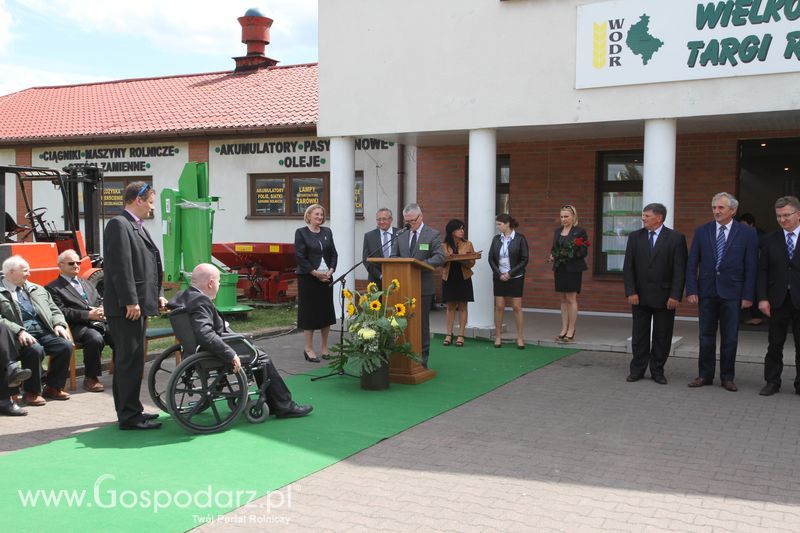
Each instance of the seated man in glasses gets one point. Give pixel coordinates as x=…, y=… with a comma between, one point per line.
x=83, y=309
x=208, y=327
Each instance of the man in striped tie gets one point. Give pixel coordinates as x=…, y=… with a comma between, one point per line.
x=721, y=277
x=378, y=243
x=83, y=308
x=779, y=291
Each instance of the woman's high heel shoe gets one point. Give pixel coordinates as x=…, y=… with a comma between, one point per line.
x=568, y=339
x=448, y=339
x=309, y=358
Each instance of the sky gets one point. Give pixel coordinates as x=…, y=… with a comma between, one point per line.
x=58, y=42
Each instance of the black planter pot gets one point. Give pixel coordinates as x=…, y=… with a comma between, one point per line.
x=377, y=380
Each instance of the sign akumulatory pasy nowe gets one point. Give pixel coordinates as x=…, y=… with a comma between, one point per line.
x=626, y=42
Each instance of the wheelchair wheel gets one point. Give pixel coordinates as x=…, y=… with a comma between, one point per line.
x=200, y=391
x=158, y=377
x=256, y=411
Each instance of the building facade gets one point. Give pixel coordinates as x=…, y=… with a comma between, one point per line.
x=527, y=105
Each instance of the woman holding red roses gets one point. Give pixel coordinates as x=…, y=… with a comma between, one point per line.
x=568, y=253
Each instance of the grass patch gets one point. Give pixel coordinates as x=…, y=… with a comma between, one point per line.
x=256, y=320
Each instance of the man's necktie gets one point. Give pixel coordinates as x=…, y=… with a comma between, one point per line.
x=385, y=244
x=24, y=302
x=790, y=245
x=78, y=287
x=413, y=242
x=720, y=245
x=652, y=239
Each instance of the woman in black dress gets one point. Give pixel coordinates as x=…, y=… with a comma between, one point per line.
x=316, y=262
x=568, y=271
x=457, y=280
x=508, y=258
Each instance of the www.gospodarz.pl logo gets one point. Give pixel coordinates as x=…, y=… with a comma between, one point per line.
x=609, y=37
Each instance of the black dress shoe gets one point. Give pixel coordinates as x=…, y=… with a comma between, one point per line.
x=144, y=424
x=149, y=416
x=295, y=411
x=769, y=389
x=16, y=375
x=10, y=408
x=633, y=377
x=661, y=380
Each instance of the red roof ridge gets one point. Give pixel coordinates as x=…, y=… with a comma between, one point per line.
x=171, y=76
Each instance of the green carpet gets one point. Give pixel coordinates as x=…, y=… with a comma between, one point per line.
x=169, y=480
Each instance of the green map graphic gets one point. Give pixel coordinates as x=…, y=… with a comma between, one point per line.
x=641, y=42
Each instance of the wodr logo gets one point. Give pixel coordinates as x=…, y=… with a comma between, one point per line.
x=609, y=36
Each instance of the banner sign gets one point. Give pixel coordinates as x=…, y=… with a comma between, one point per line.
x=626, y=42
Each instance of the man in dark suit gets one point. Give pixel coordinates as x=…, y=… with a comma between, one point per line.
x=209, y=328
x=83, y=309
x=654, y=272
x=423, y=243
x=721, y=275
x=377, y=244
x=133, y=273
x=779, y=291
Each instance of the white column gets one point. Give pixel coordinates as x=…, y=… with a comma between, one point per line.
x=482, y=192
x=659, y=165
x=342, y=215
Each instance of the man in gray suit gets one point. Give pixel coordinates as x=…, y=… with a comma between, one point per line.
x=423, y=243
x=377, y=243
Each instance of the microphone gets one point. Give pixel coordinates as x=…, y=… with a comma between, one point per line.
x=406, y=227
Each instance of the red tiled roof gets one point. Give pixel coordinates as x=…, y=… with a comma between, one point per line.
x=276, y=98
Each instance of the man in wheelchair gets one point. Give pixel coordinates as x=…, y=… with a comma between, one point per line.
x=209, y=330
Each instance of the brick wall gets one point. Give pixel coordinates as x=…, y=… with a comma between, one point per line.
x=547, y=175
x=198, y=151
x=23, y=158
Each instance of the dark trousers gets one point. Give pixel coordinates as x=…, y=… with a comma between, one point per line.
x=93, y=343
x=60, y=351
x=8, y=349
x=644, y=352
x=779, y=322
x=425, y=320
x=128, y=337
x=714, y=311
x=278, y=397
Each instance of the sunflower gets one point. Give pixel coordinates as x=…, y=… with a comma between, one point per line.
x=395, y=284
x=375, y=305
x=363, y=299
x=351, y=310
x=400, y=310
x=413, y=303
x=347, y=294
x=371, y=287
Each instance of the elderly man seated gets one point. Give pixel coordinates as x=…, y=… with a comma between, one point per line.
x=208, y=327
x=83, y=309
x=40, y=328
x=14, y=374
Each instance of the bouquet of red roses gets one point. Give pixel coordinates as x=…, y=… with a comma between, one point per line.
x=563, y=253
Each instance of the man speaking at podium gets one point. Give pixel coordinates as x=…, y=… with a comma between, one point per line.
x=424, y=243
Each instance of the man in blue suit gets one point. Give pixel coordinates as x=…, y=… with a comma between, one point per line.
x=721, y=274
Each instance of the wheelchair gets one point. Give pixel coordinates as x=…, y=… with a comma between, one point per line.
x=200, y=389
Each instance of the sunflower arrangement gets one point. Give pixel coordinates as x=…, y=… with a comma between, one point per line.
x=375, y=329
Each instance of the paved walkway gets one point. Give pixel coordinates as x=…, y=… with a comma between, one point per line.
x=569, y=447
